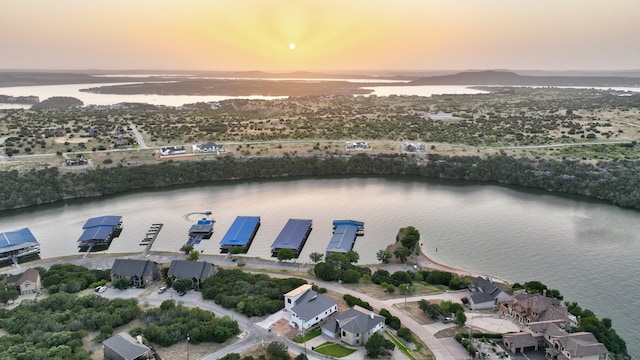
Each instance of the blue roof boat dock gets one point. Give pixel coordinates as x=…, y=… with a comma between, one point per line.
x=18, y=244
x=203, y=229
x=99, y=232
x=241, y=233
x=344, y=235
x=293, y=236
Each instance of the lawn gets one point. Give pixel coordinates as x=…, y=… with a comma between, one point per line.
x=332, y=349
x=310, y=335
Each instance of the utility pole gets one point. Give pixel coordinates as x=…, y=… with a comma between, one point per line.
x=188, y=338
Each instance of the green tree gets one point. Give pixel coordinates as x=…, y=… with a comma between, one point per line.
x=121, y=284
x=405, y=333
x=186, y=248
x=377, y=346
x=326, y=271
x=351, y=276
x=407, y=289
x=433, y=310
x=402, y=253
x=278, y=351
x=181, y=285
x=460, y=318
x=316, y=257
x=352, y=256
x=193, y=256
x=285, y=254
x=231, y=356
x=411, y=237
x=384, y=256
x=339, y=259
x=449, y=307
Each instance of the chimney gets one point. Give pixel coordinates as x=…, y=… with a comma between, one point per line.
x=371, y=315
x=139, y=339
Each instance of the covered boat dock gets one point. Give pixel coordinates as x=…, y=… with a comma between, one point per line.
x=344, y=235
x=100, y=231
x=203, y=229
x=293, y=236
x=240, y=234
x=17, y=244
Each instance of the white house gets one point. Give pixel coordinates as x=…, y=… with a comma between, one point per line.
x=307, y=307
x=209, y=146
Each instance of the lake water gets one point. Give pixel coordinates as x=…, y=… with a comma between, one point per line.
x=73, y=90
x=588, y=250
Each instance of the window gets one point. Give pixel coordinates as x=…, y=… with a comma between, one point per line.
x=289, y=301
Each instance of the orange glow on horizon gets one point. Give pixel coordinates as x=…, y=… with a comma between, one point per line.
x=327, y=35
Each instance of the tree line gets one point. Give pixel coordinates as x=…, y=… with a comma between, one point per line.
x=615, y=181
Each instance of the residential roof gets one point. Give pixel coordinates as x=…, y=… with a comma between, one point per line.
x=125, y=345
x=582, y=344
x=292, y=235
x=185, y=269
x=15, y=240
x=355, y=320
x=310, y=304
x=537, y=307
x=28, y=275
x=344, y=235
x=299, y=290
x=520, y=340
x=241, y=231
x=133, y=267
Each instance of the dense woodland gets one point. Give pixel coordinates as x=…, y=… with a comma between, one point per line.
x=616, y=181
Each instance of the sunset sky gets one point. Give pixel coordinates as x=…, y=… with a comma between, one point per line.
x=328, y=34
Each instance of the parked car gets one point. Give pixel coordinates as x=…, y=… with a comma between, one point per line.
x=102, y=289
x=181, y=293
x=162, y=289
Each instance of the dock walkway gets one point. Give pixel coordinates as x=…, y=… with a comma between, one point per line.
x=150, y=237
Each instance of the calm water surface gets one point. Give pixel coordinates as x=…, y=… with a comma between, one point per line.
x=588, y=250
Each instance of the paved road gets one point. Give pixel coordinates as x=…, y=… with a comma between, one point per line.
x=139, y=137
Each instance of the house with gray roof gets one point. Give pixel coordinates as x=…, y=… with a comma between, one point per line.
x=552, y=336
x=139, y=272
x=307, y=307
x=485, y=294
x=27, y=282
x=123, y=346
x=354, y=326
x=194, y=271
x=209, y=146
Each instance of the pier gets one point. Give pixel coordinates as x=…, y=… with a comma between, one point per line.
x=150, y=237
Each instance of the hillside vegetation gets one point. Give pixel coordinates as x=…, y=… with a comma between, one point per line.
x=577, y=141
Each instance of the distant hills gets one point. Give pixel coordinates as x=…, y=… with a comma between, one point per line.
x=492, y=77
x=630, y=78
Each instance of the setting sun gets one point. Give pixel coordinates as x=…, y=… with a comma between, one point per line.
x=292, y=46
